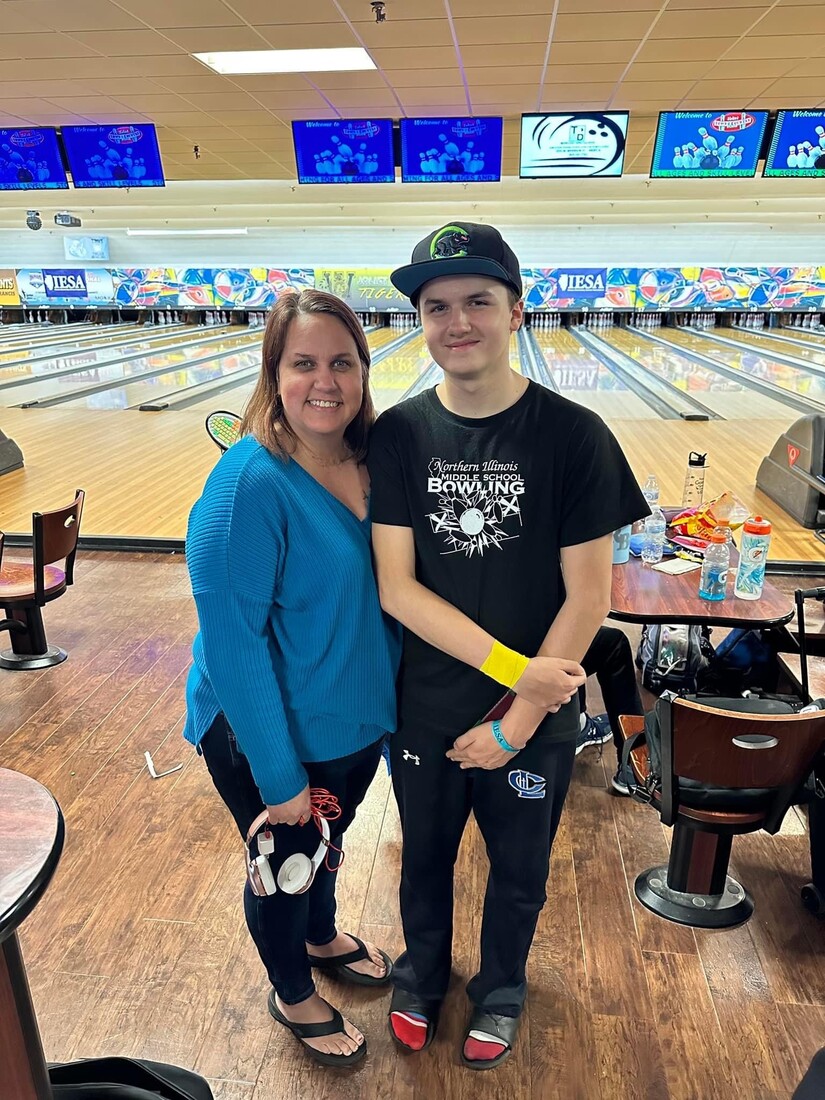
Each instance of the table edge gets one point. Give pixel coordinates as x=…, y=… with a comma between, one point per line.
x=11, y=920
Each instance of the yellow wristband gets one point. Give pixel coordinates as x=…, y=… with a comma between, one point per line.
x=504, y=665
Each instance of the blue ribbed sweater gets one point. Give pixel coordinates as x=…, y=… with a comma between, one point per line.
x=293, y=646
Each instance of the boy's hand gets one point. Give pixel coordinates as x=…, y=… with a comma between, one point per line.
x=550, y=682
x=478, y=748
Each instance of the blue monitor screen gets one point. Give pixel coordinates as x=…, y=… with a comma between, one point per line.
x=451, y=150
x=344, y=150
x=566, y=146
x=798, y=144
x=113, y=156
x=30, y=161
x=707, y=144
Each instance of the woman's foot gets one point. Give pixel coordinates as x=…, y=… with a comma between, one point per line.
x=374, y=966
x=315, y=1010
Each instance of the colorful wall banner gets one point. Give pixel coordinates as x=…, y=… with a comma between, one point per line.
x=579, y=287
x=8, y=288
x=545, y=288
x=762, y=288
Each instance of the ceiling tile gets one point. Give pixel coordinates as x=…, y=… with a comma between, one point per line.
x=726, y=22
x=163, y=14
x=674, y=49
x=126, y=43
x=790, y=19
x=321, y=36
x=215, y=39
x=82, y=15
x=44, y=45
x=792, y=46
x=440, y=57
x=425, y=34
x=261, y=11
x=590, y=53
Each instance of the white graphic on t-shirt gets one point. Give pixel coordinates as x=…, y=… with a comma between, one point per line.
x=478, y=504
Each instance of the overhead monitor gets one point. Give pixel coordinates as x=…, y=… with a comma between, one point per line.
x=451, y=150
x=30, y=161
x=344, y=150
x=561, y=145
x=798, y=144
x=707, y=144
x=113, y=156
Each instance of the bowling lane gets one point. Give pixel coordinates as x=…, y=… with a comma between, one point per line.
x=814, y=337
x=763, y=341
x=725, y=396
x=175, y=360
x=235, y=399
x=581, y=377
x=95, y=355
x=57, y=336
x=749, y=362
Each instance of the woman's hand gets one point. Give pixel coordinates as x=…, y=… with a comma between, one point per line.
x=294, y=812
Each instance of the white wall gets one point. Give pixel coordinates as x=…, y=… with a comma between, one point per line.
x=535, y=245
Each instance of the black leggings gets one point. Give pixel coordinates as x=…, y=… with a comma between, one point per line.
x=282, y=924
x=610, y=658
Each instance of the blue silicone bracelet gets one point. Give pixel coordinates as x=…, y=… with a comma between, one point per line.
x=502, y=740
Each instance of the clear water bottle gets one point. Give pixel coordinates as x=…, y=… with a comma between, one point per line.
x=713, y=582
x=654, y=536
x=753, y=557
x=694, y=490
x=650, y=491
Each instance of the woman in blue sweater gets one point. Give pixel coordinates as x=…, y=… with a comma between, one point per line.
x=292, y=688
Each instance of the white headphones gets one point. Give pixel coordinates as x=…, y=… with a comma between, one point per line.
x=297, y=871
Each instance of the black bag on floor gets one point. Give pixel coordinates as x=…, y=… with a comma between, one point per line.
x=693, y=793
x=125, y=1079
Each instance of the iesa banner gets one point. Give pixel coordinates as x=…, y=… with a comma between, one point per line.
x=65, y=287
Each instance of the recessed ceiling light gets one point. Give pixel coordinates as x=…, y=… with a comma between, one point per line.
x=351, y=59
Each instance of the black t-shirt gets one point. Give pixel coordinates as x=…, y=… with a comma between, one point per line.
x=491, y=502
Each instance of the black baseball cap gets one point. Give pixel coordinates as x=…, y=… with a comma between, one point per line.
x=460, y=248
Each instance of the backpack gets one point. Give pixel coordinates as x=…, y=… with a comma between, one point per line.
x=125, y=1079
x=672, y=656
x=692, y=791
x=745, y=659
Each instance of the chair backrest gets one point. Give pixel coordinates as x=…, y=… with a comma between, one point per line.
x=55, y=537
x=724, y=748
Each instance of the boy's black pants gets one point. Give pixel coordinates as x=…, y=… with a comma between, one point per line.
x=517, y=808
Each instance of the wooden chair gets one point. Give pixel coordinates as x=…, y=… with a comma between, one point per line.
x=750, y=769
x=24, y=588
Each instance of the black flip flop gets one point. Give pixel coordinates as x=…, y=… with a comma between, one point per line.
x=402, y=1001
x=339, y=965
x=318, y=1031
x=501, y=1029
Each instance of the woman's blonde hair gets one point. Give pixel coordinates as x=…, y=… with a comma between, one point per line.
x=265, y=417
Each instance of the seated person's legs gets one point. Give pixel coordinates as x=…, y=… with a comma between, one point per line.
x=610, y=659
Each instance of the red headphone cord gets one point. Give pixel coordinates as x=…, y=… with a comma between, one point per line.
x=326, y=805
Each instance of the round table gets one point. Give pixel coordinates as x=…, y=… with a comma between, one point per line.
x=31, y=840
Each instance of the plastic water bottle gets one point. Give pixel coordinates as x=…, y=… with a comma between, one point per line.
x=654, y=536
x=753, y=557
x=650, y=491
x=713, y=582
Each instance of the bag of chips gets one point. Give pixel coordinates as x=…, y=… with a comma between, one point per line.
x=700, y=522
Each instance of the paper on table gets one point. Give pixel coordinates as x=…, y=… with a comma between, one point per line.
x=676, y=566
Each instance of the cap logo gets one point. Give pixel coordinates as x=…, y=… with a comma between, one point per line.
x=450, y=241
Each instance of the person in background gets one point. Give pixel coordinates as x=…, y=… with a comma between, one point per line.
x=494, y=503
x=610, y=660
x=292, y=689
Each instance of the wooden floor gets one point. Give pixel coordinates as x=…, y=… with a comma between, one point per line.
x=143, y=471
x=139, y=947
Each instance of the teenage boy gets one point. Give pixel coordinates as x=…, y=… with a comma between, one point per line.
x=493, y=503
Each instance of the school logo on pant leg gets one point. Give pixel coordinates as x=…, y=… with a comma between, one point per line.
x=527, y=784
